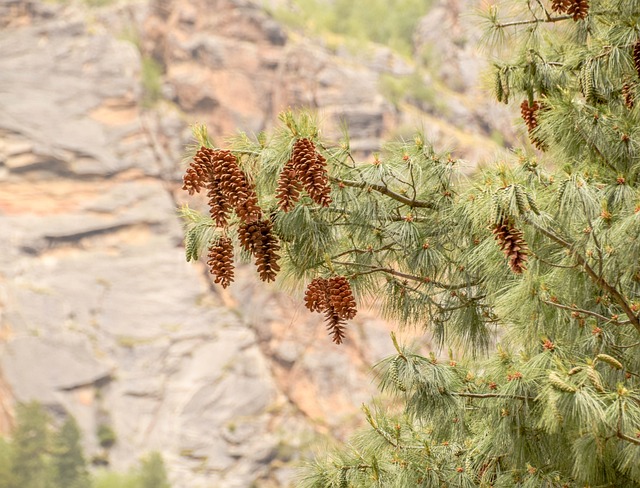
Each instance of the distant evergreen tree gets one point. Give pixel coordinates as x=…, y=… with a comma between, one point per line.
x=30, y=467
x=68, y=462
x=541, y=253
x=111, y=479
x=6, y=472
x=152, y=472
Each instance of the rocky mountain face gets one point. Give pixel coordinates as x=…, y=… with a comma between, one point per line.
x=100, y=315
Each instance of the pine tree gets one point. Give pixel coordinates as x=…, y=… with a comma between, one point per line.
x=152, y=472
x=69, y=464
x=6, y=473
x=530, y=269
x=30, y=464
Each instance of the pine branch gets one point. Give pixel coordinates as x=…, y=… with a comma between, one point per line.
x=492, y=395
x=362, y=251
x=586, y=312
x=383, y=433
x=399, y=274
x=619, y=433
x=598, y=280
x=549, y=263
x=533, y=21
x=627, y=438
x=635, y=344
x=546, y=12
x=384, y=190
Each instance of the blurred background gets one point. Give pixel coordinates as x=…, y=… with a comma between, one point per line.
x=101, y=318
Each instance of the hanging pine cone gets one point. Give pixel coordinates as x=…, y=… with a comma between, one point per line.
x=341, y=298
x=221, y=261
x=628, y=95
x=266, y=254
x=219, y=207
x=335, y=326
x=257, y=238
x=579, y=9
x=511, y=241
x=636, y=57
x=250, y=235
x=334, y=298
x=311, y=169
x=529, y=114
x=289, y=187
x=199, y=171
x=235, y=186
x=315, y=297
x=560, y=6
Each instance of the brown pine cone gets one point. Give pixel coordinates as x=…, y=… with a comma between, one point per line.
x=636, y=57
x=579, y=9
x=335, y=326
x=235, y=186
x=628, y=95
x=512, y=243
x=341, y=298
x=560, y=6
x=315, y=297
x=221, y=261
x=250, y=235
x=334, y=298
x=219, y=207
x=311, y=169
x=530, y=116
x=289, y=187
x=266, y=254
x=199, y=171
x=257, y=238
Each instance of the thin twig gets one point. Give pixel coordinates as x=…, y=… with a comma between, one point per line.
x=636, y=344
x=619, y=432
x=384, y=190
x=546, y=12
x=586, y=312
x=627, y=438
x=492, y=395
x=533, y=21
x=399, y=274
x=549, y=263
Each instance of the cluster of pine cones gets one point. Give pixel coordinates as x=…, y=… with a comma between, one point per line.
x=530, y=116
x=333, y=298
x=578, y=9
x=511, y=241
x=307, y=169
x=228, y=189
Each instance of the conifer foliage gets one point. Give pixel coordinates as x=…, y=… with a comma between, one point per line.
x=542, y=384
